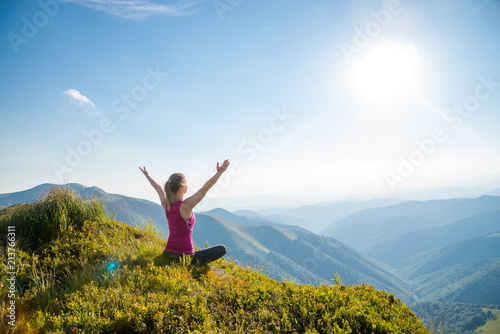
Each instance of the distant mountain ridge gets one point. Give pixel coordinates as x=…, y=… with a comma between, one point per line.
x=316, y=217
x=448, y=249
x=373, y=225
x=253, y=220
x=486, y=246
x=395, y=249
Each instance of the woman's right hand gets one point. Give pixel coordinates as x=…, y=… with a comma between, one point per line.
x=144, y=171
x=158, y=188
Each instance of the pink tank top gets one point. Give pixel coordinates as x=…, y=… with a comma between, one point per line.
x=180, y=238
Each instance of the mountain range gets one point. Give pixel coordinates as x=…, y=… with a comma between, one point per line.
x=368, y=227
x=317, y=217
x=394, y=250
x=436, y=250
x=297, y=254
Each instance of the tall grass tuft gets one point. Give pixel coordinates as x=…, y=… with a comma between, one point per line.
x=39, y=222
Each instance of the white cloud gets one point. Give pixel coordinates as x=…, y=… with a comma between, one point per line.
x=137, y=9
x=78, y=98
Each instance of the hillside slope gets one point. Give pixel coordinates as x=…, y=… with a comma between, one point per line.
x=79, y=272
x=467, y=271
x=486, y=246
x=474, y=282
x=306, y=257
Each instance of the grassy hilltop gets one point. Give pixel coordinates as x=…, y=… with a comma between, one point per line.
x=80, y=272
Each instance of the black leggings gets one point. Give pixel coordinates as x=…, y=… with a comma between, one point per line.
x=202, y=256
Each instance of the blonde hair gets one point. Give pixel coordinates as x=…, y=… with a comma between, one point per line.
x=172, y=186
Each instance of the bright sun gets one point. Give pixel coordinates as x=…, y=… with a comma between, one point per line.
x=386, y=74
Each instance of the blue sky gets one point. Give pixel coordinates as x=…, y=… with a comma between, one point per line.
x=311, y=100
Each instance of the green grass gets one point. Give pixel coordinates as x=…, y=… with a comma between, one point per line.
x=80, y=272
x=492, y=326
x=7, y=210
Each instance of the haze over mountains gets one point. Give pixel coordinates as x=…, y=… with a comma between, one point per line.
x=437, y=250
x=395, y=249
x=368, y=227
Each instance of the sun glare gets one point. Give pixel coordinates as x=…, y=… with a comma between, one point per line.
x=386, y=74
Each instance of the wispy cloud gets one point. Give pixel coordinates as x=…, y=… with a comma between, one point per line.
x=138, y=9
x=78, y=98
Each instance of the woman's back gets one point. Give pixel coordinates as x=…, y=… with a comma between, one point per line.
x=180, y=238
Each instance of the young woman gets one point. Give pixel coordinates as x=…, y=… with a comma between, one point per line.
x=181, y=218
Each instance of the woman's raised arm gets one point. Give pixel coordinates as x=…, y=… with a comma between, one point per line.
x=189, y=204
x=158, y=188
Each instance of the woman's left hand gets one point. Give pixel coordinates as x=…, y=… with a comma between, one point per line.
x=224, y=166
